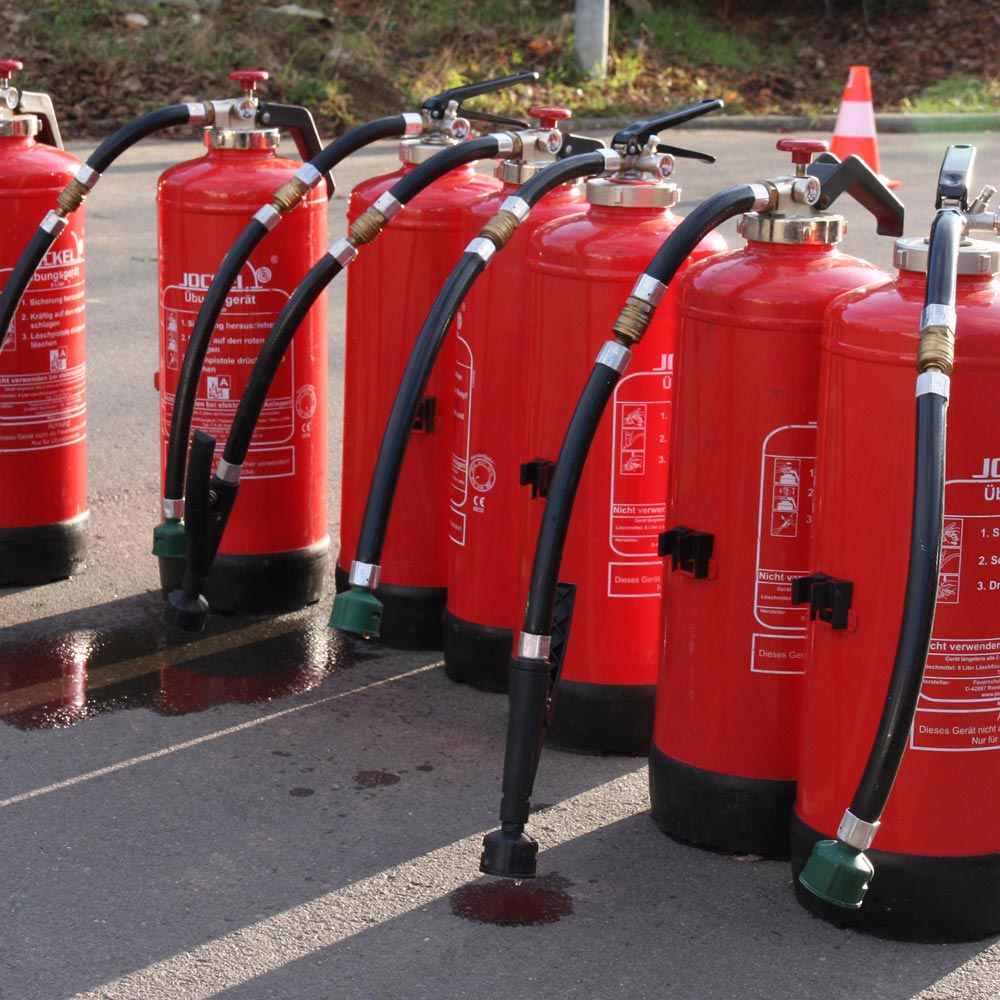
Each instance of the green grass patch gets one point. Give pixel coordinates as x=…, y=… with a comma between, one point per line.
x=957, y=93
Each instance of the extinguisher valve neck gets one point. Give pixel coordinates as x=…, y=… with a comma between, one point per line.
x=837, y=873
x=413, y=123
x=534, y=647
x=614, y=355
x=856, y=832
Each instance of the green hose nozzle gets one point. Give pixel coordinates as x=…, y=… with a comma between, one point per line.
x=169, y=540
x=357, y=610
x=837, y=873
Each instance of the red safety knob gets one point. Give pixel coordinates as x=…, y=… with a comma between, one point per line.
x=8, y=66
x=547, y=115
x=249, y=78
x=802, y=150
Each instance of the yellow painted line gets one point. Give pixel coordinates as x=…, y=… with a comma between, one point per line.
x=208, y=738
x=125, y=670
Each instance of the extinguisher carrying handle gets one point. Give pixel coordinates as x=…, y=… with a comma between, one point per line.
x=437, y=105
x=855, y=177
x=632, y=139
x=40, y=105
x=955, y=176
x=301, y=126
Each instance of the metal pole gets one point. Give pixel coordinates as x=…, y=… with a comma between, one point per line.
x=592, y=18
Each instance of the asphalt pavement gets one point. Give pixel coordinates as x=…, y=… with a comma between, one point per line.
x=268, y=810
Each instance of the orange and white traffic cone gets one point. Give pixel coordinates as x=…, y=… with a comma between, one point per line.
x=854, y=131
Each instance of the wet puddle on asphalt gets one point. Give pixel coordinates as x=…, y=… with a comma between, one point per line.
x=70, y=674
x=510, y=903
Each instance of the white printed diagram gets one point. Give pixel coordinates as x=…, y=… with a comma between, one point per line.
x=951, y=561
x=632, y=452
x=785, y=497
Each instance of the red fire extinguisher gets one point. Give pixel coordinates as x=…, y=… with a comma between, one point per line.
x=485, y=347
x=580, y=271
x=43, y=460
x=389, y=291
x=741, y=507
x=937, y=866
x=275, y=552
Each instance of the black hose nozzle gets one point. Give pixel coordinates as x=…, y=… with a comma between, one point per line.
x=187, y=607
x=509, y=851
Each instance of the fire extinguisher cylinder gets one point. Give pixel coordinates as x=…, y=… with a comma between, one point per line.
x=838, y=871
x=168, y=537
x=629, y=329
x=288, y=197
x=493, y=237
x=72, y=197
x=365, y=229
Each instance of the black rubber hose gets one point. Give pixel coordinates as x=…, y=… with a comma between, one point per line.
x=562, y=492
x=412, y=183
x=129, y=134
x=357, y=138
x=385, y=478
x=197, y=350
x=425, y=351
x=105, y=154
x=215, y=299
x=920, y=597
x=696, y=226
x=266, y=365
x=559, y=503
x=21, y=275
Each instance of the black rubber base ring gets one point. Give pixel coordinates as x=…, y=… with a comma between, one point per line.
x=478, y=655
x=271, y=583
x=722, y=812
x=602, y=718
x=411, y=616
x=43, y=553
x=912, y=897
